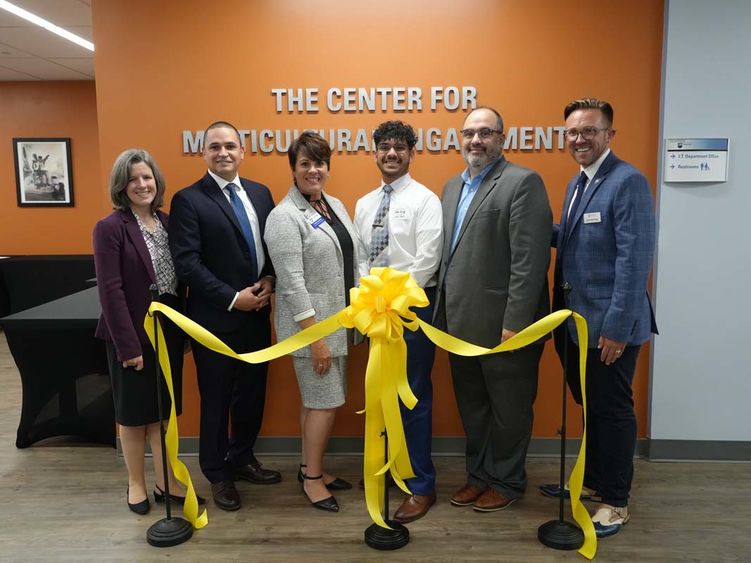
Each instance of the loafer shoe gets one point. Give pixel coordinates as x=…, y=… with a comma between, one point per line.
x=254, y=473
x=467, y=495
x=553, y=490
x=413, y=508
x=609, y=520
x=225, y=495
x=491, y=500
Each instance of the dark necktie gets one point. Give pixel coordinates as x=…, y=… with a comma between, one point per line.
x=577, y=199
x=242, y=217
x=379, y=238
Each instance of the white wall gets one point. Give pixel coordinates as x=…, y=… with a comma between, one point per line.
x=701, y=376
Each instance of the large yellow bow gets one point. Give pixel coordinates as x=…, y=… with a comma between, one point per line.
x=380, y=309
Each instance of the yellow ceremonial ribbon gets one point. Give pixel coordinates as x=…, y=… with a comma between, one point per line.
x=380, y=309
x=190, y=507
x=531, y=334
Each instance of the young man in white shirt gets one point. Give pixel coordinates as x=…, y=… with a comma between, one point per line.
x=400, y=225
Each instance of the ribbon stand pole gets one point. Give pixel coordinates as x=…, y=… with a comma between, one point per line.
x=384, y=538
x=168, y=531
x=560, y=534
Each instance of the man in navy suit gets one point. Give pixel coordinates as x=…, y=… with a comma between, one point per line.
x=216, y=238
x=605, y=246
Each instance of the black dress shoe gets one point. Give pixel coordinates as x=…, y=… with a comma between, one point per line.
x=336, y=485
x=141, y=508
x=159, y=497
x=257, y=474
x=329, y=503
x=225, y=495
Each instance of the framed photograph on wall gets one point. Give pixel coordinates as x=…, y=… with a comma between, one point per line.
x=44, y=177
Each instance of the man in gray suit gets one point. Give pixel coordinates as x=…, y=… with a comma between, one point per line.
x=493, y=283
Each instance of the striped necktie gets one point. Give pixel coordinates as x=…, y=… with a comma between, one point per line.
x=379, y=239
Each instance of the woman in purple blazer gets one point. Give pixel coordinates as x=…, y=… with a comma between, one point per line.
x=131, y=254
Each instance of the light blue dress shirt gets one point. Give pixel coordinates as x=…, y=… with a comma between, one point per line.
x=469, y=189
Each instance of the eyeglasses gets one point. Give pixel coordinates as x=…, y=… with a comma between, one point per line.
x=384, y=148
x=587, y=133
x=484, y=133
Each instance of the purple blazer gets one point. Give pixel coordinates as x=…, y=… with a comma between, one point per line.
x=124, y=272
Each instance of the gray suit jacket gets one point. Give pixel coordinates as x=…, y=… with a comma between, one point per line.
x=496, y=277
x=310, y=274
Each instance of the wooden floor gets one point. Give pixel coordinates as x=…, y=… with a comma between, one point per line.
x=63, y=503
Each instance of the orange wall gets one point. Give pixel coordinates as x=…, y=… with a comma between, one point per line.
x=50, y=109
x=195, y=62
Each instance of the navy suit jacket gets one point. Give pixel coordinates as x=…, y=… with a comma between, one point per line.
x=606, y=254
x=124, y=273
x=211, y=254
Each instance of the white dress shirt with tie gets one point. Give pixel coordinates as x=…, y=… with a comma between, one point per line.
x=415, y=229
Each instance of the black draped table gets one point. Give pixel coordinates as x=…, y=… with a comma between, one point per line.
x=66, y=386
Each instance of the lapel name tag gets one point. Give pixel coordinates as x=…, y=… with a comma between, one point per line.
x=314, y=218
x=592, y=218
x=399, y=213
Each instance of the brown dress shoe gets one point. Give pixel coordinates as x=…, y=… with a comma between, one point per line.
x=225, y=495
x=413, y=508
x=491, y=500
x=467, y=495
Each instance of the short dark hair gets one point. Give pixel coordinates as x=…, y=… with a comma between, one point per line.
x=222, y=125
x=498, y=118
x=120, y=177
x=313, y=145
x=396, y=130
x=590, y=103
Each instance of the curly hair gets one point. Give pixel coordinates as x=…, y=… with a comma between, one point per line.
x=396, y=130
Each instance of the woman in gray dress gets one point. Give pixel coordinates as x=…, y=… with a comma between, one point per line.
x=310, y=240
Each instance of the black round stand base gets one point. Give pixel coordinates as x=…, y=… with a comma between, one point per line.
x=168, y=532
x=560, y=534
x=385, y=539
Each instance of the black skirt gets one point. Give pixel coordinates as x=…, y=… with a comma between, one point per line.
x=134, y=392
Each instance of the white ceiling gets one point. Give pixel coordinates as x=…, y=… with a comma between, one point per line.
x=28, y=52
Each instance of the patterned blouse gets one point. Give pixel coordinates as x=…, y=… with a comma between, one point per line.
x=156, y=242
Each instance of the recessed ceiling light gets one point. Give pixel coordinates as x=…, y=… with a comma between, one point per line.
x=49, y=26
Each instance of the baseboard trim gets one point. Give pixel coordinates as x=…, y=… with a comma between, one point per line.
x=699, y=450
x=353, y=445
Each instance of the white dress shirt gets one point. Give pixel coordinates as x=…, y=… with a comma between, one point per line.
x=415, y=229
x=591, y=172
x=255, y=224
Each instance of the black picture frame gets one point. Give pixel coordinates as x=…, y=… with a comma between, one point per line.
x=44, y=171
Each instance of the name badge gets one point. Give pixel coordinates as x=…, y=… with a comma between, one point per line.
x=399, y=213
x=315, y=219
x=592, y=218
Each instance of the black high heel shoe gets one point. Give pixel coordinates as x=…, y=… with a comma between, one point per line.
x=159, y=497
x=141, y=508
x=329, y=503
x=336, y=485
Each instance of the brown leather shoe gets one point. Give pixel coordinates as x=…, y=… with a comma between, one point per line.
x=225, y=495
x=467, y=495
x=413, y=508
x=491, y=500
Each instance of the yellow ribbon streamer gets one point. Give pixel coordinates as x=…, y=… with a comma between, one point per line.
x=190, y=507
x=380, y=309
x=531, y=334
